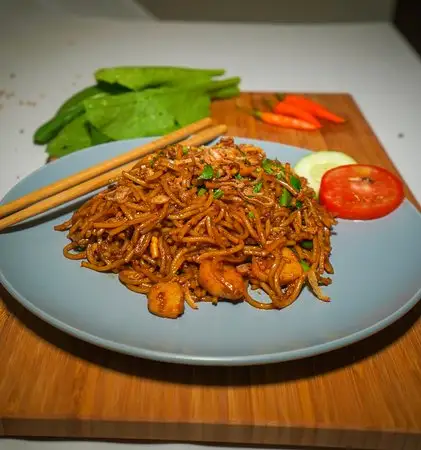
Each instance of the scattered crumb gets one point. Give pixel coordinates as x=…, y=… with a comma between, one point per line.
x=401, y=135
x=27, y=103
x=18, y=177
x=21, y=131
x=73, y=84
x=12, y=75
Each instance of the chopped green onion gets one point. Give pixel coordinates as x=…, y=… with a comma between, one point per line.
x=285, y=198
x=295, y=183
x=298, y=204
x=218, y=193
x=201, y=191
x=185, y=150
x=267, y=166
x=207, y=173
x=305, y=266
x=238, y=176
x=258, y=187
x=250, y=215
x=153, y=161
x=308, y=245
x=218, y=174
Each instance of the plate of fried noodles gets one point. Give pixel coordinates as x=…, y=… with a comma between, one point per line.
x=213, y=255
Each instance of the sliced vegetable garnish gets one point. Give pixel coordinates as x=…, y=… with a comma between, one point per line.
x=185, y=150
x=207, y=173
x=218, y=193
x=285, y=198
x=250, y=215
x=258, y=187
x=308, y=245
x=315, y=165
x=238, y=176
x=201, y=191
x=360, y=192
x=295, y=183
x=267, y=166
x=305, y=266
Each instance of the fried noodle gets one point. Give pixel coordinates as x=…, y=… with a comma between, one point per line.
x=214, y=220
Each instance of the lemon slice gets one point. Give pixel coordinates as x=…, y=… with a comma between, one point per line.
x=315, y=165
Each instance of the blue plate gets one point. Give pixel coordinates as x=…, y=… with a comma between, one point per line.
x=377, y=280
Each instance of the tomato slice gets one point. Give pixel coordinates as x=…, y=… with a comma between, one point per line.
x=360, y=192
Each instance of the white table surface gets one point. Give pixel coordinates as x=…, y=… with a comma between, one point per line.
x=46, y=55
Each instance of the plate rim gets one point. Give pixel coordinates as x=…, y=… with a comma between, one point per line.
x=169, y=357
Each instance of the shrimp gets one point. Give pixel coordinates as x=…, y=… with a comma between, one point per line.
x=291, y=270
x=166, y=299
x=221, y=280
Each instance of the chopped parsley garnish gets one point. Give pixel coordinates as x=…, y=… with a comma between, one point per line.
x=218, y=193
x=258, y=187
x=298, y=204
x=207, y=173
x=185, y=150
x=238, y=176
x=201, y=191
x=250, y=215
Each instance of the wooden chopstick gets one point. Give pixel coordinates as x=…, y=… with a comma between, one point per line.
x=105, y=166
x=96, y=183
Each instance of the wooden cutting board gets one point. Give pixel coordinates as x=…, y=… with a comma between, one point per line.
x=364, y=396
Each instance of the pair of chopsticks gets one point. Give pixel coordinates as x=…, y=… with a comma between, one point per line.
x=95, y=177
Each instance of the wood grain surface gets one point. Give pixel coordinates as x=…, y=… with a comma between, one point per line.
x=365, y=396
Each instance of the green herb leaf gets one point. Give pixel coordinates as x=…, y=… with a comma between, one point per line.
x=137, y=78
x=185, y=150
x=201, y=191
x=258, y=187
x=218, y=174
x=250, y=215
x=298, y=204
x=267, y=166
x=218, y=193
x=74, y=136
x=52, y=128
x=295, y=183
x=207, y=173
x=285, y=198
x=138, y=114
x=238, y=176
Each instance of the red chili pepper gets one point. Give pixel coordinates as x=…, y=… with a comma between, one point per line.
x=312, y=107
x=293, y=110
x=283, y=121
